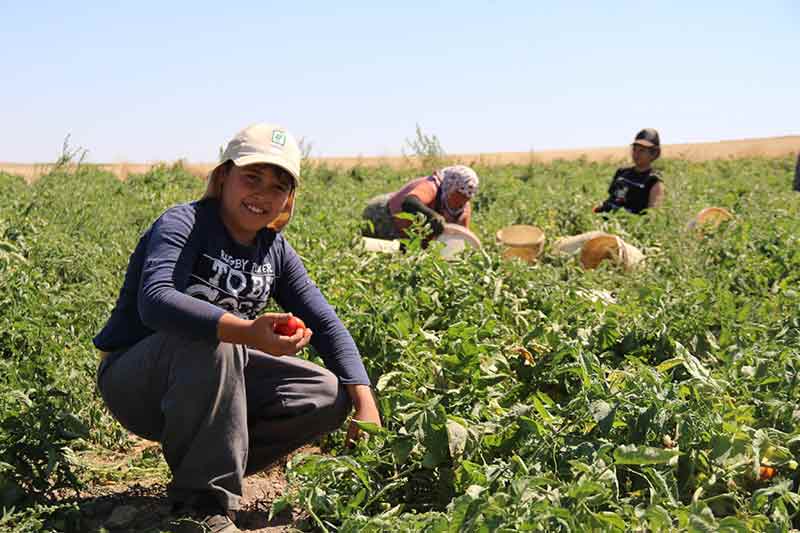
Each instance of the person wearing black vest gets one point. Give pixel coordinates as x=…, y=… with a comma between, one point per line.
x=638, y=187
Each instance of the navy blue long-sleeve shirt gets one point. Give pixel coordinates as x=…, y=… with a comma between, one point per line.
x=187, y=271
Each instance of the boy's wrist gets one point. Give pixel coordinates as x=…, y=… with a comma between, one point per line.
x=233, y=329
x=361, y=395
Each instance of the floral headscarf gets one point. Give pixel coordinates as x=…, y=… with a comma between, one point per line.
x=459, y=178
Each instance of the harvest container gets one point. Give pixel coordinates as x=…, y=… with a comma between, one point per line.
x=710, y=217
x=456, y=239
x=574, y=243
x=380, y=245
x=522, y=241
x=610, y=247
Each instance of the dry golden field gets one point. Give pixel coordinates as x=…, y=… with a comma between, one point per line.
x=729, y=149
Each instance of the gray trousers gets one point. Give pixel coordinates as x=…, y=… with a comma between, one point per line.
x=377, y=212
x=220, y=411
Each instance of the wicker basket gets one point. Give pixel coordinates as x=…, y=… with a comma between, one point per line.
x=610, y=247
x=573, y=244
x=521, y=241
x=710, y=217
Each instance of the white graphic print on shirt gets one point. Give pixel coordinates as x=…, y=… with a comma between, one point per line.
x=237, y=285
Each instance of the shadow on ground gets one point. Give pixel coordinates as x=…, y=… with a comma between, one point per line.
x=145, y=509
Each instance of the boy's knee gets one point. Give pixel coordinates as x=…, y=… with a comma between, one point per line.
x=334, y=400
x=341, y=408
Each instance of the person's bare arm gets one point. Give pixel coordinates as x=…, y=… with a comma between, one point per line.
x=466, y=218
x=365, y=409
x=657, y=193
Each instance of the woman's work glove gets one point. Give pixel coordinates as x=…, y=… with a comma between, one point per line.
x=412, y=204
x=437, y=223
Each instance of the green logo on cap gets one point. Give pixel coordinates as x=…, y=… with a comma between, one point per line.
x=279, y=137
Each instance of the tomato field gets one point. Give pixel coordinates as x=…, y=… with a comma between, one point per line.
x=514, y=398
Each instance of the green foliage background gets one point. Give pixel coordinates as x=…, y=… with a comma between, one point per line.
x=513, y=399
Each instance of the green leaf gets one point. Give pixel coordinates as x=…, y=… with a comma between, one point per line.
x=612, y=519
x=456, y=438
x=370, y=427
x=643, y=455
x=731, y=524
x=357, y=500
x=468, y=474
x=434, y=437
x=278, y=506
x=703, y=522
x=384, y=380
x=603, y=414
x=669, y=364
x=660, y=484
x=72, y=427
x=542, y=410
x=694, y=367
x=401, y=449
x=355, y=467
x=600, y=409
x=658, y=518
x=761, y=496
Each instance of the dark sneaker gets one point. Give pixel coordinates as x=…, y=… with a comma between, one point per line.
x=214, y=522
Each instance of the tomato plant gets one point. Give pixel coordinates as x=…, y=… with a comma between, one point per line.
x=514, y=396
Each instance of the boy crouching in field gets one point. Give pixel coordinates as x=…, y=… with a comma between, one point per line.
x=191, y=361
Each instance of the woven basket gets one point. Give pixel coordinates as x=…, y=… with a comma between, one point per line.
x=521, y=241
x=610, y=247
x=710, y=217
x=573, y=244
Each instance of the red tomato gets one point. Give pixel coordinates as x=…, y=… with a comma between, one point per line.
x=766, y=472
x=289, y=327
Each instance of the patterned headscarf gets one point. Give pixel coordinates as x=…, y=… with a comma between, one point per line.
x=459, y=178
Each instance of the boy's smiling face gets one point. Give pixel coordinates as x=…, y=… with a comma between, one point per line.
x=252, y=197
x=642, y=156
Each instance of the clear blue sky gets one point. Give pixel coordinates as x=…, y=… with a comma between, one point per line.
x=145, y=80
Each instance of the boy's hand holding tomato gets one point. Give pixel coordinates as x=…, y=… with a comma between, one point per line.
x=278, y=334
x=273, y=333
x=288, y=327
x=287, y=334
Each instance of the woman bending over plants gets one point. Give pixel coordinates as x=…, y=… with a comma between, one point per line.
x=190, y=361
x=442, y=197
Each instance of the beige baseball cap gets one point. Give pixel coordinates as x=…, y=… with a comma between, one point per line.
x=265, y=143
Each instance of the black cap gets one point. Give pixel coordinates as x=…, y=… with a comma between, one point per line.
x=648, y=137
